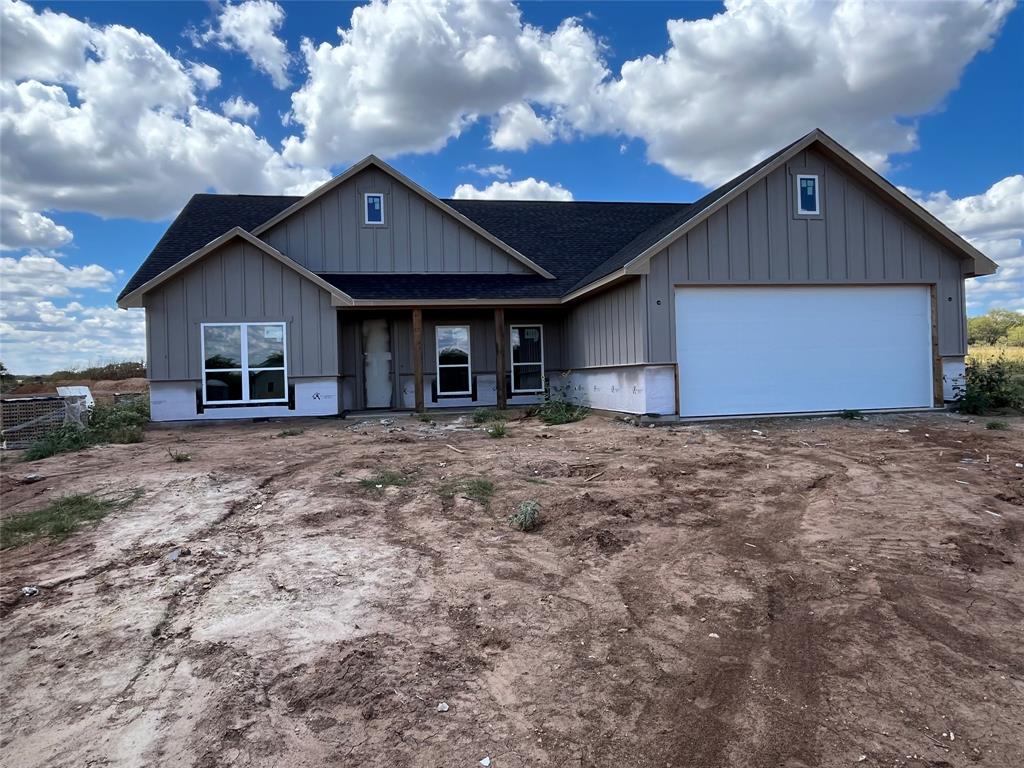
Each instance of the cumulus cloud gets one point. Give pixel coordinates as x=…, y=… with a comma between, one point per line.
x=240, y=109
x=103, y=120
x=497, y=170
x=524, y=189
x=252, y=28
x=517, y=126
x=726, y=92
x=437, y=67
x=45, y=326
x=993, y=222
x=28, y=229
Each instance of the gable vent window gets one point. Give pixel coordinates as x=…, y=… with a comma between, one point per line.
x=807, y=195
x=374, y=208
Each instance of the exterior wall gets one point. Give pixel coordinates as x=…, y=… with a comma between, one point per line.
x=482, y=349
x=329, y=235
x=176, y=401
x=639, y=389
x=238, y=283
x=756, y=239
x=608, y=329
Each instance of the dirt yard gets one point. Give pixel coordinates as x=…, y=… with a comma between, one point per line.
x=807, y=592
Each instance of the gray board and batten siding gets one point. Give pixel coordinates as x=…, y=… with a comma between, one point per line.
x=329, y=234
x=238, y=282
x=757, y=239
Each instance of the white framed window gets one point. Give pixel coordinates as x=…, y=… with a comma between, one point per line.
x=244, y=363
x=807, y=194
x=373, y=208
x=454, y=360
x=527, y=347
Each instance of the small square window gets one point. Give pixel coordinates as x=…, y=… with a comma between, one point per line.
x=374, y=208
x=807, y=195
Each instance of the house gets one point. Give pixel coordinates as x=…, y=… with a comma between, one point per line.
x=808, y=283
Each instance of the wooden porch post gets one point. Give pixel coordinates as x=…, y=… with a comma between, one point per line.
x=417, y=356
x=499, y=362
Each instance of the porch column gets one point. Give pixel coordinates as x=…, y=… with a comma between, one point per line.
x=417, y=356
x=499, y=362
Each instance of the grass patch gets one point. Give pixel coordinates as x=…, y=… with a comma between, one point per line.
x=120, y=423
x=851, y=414
x=179, y=457
x=997, y=425
x=497, y=429
x=483, y=415
x=526, y=517
x=537, y=480
x=386, y=479
x=291, y=432
x=478, y=489
x=425, y=418
x=553, y=412
x=60, y=518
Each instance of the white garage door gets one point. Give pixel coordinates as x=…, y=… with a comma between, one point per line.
x=797, y=349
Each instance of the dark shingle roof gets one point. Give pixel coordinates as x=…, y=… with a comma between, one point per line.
x=439, y=286
x=203, y=219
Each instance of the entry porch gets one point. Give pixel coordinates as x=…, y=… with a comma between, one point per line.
x=446, y=357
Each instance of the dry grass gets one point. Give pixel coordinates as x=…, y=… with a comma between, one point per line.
x=986, y=353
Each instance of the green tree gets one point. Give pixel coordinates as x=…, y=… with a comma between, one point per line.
x=1014, y=337
x=992, y=327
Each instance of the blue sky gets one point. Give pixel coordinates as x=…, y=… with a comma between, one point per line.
x=597, y=101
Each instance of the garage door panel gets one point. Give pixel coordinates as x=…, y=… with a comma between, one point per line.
x=797, y=349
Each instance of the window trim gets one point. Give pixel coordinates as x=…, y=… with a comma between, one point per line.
x=513, y=363
x=245, y=370
x=817, y=195
x=366, y=209
x=468, y=365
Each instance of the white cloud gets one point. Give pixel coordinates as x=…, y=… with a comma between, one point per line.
x=28, y=229
x=238, y=108
x=437, y=66
x=517, y=126
x=43, y=325
x=524, y=189
x=497, y=170
x=206, y=77
x=251, y=27
x=994, y=223
x=105, y=121
x=732, y=89
x=725, y=93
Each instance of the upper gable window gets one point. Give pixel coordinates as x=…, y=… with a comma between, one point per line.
x=374, y=208
x=807, y=197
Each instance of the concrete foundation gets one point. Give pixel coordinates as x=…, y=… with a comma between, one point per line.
x=638, y=389
x=176, y=401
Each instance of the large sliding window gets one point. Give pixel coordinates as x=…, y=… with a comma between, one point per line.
x=454, y=361
x=527, y=359
x=244, y=363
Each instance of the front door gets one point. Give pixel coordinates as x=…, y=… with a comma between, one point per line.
x=377, y=363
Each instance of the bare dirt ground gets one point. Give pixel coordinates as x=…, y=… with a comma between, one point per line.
x=807, y=592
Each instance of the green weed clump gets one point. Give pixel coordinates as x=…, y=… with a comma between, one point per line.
x=60, y=518
x=118, y=423
x=526, y=517
x=993, y=384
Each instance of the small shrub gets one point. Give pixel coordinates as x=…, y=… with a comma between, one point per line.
x=553, y=412
x=384, y=479
x=997, y=425
x=497, y=429
x=526, y=517
x=60, y=518
x=293, y=432
x=425, y=418
x=483, y=415
x=179, y=456
x=996, y=383
x=119, y=423
x=851, y=414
